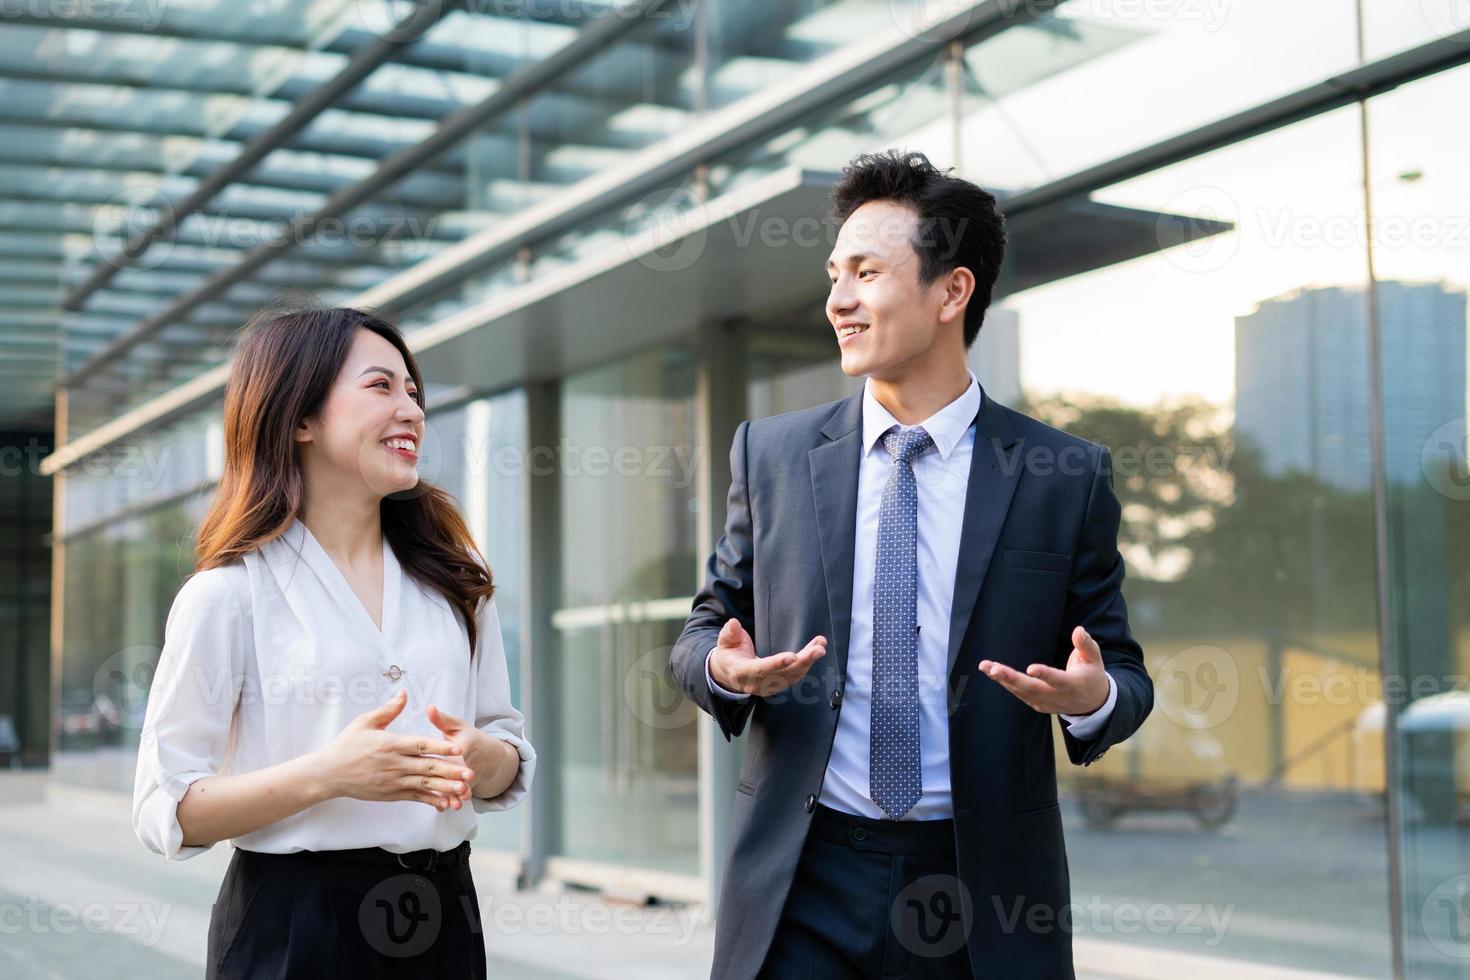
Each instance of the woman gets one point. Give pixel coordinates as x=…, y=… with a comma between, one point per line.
x=332, y=694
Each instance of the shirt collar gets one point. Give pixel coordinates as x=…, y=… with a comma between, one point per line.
x=945, y=426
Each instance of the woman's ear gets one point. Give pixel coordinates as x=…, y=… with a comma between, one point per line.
x=303, y=431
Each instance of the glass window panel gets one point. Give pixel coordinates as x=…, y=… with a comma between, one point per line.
x=903, y=108
x=752, y=47
x=480, y=450
x=1225, y=367
x=1421, y=235
x=628, y=779
x=120, y=583
x=625, y=98
x=1393, y=26
x=1087, y=67
x=792, y=362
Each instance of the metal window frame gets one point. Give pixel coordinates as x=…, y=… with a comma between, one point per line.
x=360, y=65
x=452, y=130
x=824, y=81
x=1334, y=92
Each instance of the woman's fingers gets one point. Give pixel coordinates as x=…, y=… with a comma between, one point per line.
x=446, y=787
x=444, y=768
x=423, y=745
x=439, y=801
x=453, y=767
x=432, y=799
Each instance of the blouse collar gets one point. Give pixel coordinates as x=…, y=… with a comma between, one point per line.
x=299, y=539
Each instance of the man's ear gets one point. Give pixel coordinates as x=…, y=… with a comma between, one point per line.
x=959, y=286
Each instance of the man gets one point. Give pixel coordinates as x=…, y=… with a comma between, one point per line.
x=910, y=583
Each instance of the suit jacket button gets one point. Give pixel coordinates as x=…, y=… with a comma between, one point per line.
x=811, y=802
x=836, y=699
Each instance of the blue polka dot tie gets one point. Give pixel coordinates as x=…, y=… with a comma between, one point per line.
x=894, y=772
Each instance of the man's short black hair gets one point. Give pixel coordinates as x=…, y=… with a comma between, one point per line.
x=959, y=223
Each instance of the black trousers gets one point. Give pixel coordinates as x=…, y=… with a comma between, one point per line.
x=355, y=913
x=873, y=900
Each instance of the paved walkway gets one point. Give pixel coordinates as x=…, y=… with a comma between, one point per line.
x=81, y=898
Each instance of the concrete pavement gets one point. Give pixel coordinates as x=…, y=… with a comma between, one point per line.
x=80, y=897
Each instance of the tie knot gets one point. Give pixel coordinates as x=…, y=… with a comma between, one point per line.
x=905, y=445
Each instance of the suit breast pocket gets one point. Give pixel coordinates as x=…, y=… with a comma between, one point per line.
x=1041, y=561
x=1033, y=588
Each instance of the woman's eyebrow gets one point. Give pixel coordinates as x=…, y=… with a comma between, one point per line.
x=369, y=370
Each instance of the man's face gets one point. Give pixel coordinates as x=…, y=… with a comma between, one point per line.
x=874, y=273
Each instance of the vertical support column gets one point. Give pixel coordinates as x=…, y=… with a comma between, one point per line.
x=58, y=578
x=1390, y=656
x=700, y=188
x=721, y=407
x=954, y=78
x=541, y=829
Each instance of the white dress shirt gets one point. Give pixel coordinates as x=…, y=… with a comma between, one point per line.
x=271, y=656
x=942, y=475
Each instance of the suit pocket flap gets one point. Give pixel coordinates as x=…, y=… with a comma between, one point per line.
x=1048, y=561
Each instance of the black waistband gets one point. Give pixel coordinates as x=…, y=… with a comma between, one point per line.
x=427, y=859
x=888, y=836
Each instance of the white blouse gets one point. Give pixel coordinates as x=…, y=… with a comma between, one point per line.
x=271, y=656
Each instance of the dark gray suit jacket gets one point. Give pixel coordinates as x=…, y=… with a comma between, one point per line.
x=1038, y=556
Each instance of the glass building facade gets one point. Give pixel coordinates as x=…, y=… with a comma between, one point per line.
x=1239, y=240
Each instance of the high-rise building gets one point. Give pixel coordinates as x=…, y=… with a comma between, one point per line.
x=1301, y=378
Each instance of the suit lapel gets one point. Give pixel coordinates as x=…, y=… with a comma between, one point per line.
x=993, y=478
x=834, y=466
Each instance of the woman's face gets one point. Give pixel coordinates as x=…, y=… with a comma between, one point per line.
x=369, y=430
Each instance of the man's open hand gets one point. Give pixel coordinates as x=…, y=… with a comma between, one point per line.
x=735, y=667
x=1081, y=689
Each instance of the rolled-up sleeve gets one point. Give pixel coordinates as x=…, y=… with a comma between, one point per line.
x=191, y=705
x=495, y=715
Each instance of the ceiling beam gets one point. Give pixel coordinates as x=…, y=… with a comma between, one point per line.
x=596, y=37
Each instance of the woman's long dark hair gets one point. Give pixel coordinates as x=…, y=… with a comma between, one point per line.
x=284, y=367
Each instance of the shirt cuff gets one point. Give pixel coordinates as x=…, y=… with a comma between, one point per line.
x=732, y=695
x=156, y=817
x=1086, y=726
x=520, y=787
